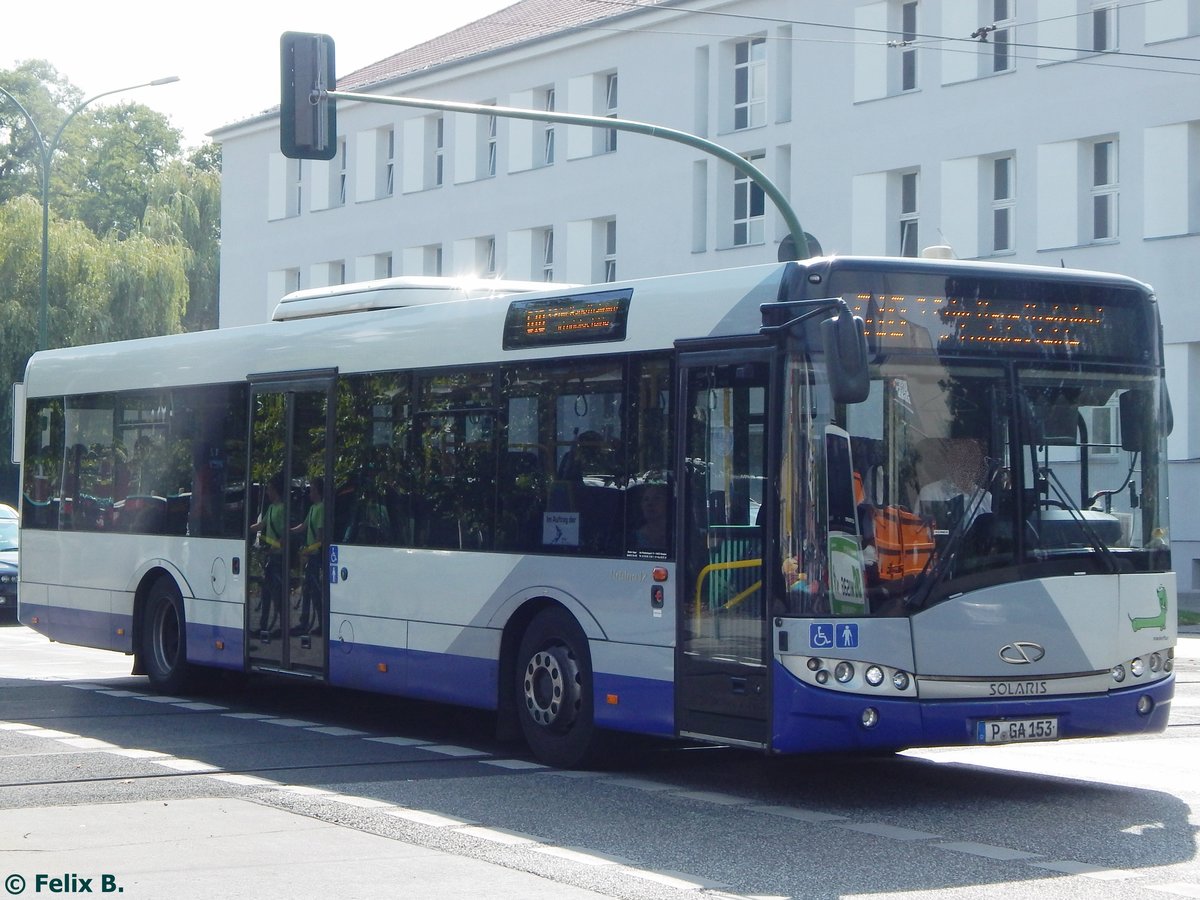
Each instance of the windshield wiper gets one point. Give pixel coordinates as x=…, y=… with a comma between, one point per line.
x=1064, y=499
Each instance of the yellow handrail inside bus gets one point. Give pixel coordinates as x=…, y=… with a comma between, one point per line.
x=725, y=566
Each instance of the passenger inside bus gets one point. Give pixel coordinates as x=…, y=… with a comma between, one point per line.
x=653, y=531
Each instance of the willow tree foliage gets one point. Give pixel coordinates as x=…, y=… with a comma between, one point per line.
x=134, y=224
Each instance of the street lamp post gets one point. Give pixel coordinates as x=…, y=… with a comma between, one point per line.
x=47, y=152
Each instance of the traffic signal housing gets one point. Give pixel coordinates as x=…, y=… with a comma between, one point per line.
x=307, y=118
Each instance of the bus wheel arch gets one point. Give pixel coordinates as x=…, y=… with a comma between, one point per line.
x=160, y=632
x=551, y=680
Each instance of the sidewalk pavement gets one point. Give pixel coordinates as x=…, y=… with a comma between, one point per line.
x=216, y=848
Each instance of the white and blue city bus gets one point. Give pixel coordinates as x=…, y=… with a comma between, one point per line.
x=674, y=507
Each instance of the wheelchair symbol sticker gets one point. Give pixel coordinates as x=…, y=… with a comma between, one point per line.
x=828, y=635
x=820, y=635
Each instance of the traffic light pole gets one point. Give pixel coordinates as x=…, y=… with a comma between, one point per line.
x=799, y=239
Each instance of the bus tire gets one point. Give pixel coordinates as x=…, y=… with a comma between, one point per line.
x=164, y=637
x=554, y=690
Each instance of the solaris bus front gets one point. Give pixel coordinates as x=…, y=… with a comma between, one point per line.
x=977, y=553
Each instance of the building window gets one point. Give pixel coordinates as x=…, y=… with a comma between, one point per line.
x=548, y=133
x=749, y=205
x=1104, y=190
x=433, y=260
x=548, y=254
x=1104, y=27
x=439, y=151
x=750, y=83
x=908, y=53
x=389, y=178
x=610, y=250
x=342, y=170
x=381, y=265
x=909, y=245
x=1001, y=37
x=295, y=192
x=610, y=111
x=491, y=146
x=1002, y=204
x=489, y=256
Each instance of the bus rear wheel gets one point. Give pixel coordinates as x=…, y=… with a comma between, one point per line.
x=554, y=690
x=164, y=637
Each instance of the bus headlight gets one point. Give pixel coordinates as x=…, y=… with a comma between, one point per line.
x=870, y=717
x=1137, y=667
x=1155, y=662
x=874, y=676
x=1118, y=673
x=844, y=672
x=900, y=681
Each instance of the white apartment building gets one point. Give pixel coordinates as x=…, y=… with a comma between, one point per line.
x=1050, y=132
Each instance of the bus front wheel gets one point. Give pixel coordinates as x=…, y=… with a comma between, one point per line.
x=554, y=690
x=164, y=637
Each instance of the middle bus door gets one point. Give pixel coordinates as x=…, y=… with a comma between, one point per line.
x=722, y=660
x=287, y=594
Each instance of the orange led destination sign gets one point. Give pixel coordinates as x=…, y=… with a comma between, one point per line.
x=578, y=319
x=1098, y=327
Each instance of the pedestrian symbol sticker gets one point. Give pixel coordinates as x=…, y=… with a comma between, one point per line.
x=847, y=635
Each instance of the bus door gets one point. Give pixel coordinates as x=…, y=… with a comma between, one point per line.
x=287, y=587
x=722, y=659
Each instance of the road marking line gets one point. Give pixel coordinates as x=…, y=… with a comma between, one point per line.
x=679, y=880
x=38, y=731
x=244, y=780
x=87, y=743
x=134, y=753
x=891, y=832
x=797, y=813
x=1072, y=867
x=200, y=707
x=583, y=856
x=399, y=741
x=337, y=731
x=517, y=764
x=450, y=750
x=425, y=817
x=499, y=835
x=290, y=723
x=985, y=850
x=360, y=802
x=711, y=797
x=187, y=765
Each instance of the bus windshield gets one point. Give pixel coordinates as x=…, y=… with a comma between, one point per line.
x=954, y=476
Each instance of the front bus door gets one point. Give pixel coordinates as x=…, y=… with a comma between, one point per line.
x=722, y=661
x=287, y=587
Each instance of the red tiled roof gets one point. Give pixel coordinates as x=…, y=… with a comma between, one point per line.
x=525, y=21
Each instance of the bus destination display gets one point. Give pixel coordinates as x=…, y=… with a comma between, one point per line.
x=1098, y=327
x=581, y=319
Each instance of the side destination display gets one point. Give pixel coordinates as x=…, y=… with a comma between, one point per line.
x=580, y=319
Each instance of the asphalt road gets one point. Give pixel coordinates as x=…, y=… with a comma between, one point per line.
x=261, y=787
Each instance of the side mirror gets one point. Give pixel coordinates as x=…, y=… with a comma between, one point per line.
x=1134, y=409
x=845, y=341
x=307, y=122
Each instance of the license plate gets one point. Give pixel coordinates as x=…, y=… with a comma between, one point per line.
x=1007, y=731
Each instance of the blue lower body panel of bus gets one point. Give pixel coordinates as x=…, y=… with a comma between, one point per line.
x=809, y=719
